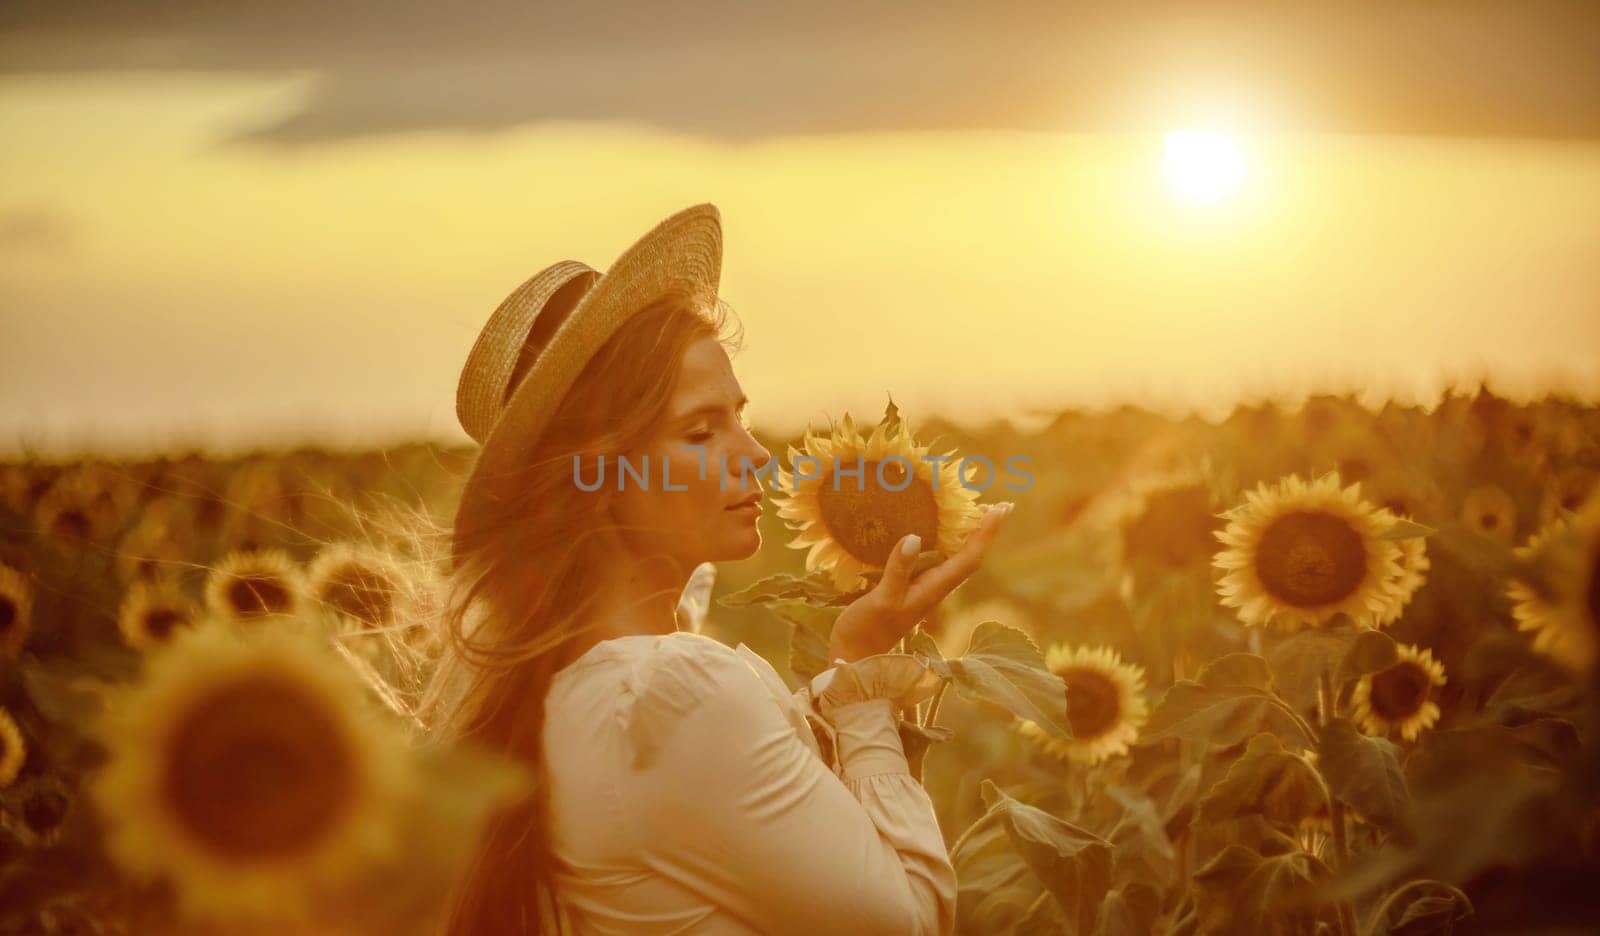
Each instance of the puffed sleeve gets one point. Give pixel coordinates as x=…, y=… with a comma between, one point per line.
x=725, y=799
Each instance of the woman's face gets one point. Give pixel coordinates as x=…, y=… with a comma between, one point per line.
x=684, y=507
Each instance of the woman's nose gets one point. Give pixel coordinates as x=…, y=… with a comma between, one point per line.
x=756, y=452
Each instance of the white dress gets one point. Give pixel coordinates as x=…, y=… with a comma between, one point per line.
x=692, y=792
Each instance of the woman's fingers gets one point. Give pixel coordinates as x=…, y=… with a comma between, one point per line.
x=932, y=586
x=897, y=571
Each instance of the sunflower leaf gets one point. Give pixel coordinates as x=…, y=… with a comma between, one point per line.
x=810, y=628
x=1299, y=661
x=1364, y=772
x=814, y=589
x=1073, y=863
x=1371, y=652
x=1003, y=666
x=1268, y=780
x=1231, y=699
x=922, y=644
x=1129, y=909
x=916, y=739
x=1243, y=891
x=1420, y=907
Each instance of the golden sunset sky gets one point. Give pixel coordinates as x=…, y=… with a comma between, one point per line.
x=276, y=227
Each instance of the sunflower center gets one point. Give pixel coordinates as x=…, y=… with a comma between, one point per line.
x=1093, y=702
x=1175, y=528
x=45, y=810
x=867, y=522
x=359, y=593
x=1399, y=691
x=1307, y=558
x=1488, y=520
x=161, y=622
x=260, y=770
x=251, y=596
x=72, y=525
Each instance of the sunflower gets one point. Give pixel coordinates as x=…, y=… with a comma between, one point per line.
x=39, y=809
x=21, y=485
x=84, y=507
x=1407, y=493
x=357, y=582
x=1105, y=704
x=320, y=497
x=152, y=612
x=1489, y=510
x=1560, y=600
x=16, y=611
x=12, y=749
x=263, y=507
x=1168, y=519
x=1400, y=696
x=868, y=494
x=200, y=485
x=250, y=584
x=1414, y=563
x=1300, y=553
x=248, y=770
x=1566, y=492
x=150, y=550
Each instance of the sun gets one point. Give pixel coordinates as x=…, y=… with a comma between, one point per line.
x=1202, y=166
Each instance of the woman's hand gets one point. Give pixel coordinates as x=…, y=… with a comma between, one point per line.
x=877, y=621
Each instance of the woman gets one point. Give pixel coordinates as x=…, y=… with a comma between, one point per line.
x=681, y=786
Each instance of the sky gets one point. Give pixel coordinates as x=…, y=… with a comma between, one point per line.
x=231, y=225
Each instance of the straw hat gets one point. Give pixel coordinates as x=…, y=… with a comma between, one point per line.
x=542, y=335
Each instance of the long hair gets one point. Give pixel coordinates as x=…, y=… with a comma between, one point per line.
x=519, y=595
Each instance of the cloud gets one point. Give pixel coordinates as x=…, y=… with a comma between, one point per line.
x=738, y=70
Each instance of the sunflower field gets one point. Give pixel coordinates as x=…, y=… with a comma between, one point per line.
x=1312, y=670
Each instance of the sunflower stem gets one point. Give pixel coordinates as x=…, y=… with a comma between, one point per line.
x=933, y=704
x=1300, y=724
x=1326, y=702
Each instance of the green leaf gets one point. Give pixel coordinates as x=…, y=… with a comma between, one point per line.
x=1144, y=852
x=1073, y=863
x=1231, y=699
x=1298, y=661
x=1242, y=891
x=915, y=739
x=813, y=589
x=1003, y=666
x=1532, y=691
x=1419, y=908
x=922, y=644
x=1129, y=910
x=1365, y=773
x=1473, y=808
x=1268, y=780
x=1237, y=669
x=995, y=887
x=810, y=628
x=1372, y=651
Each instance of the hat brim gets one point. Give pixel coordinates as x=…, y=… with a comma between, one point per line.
x=682, y=255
